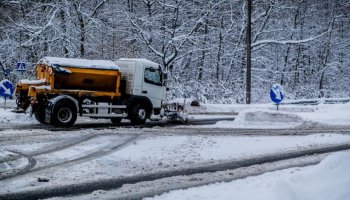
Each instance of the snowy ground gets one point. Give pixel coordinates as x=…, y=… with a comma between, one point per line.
x=66, y=158
x=328, y=180
x=264, y=116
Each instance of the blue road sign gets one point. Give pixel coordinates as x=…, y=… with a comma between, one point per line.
x=21, y=66
x=277, y=93
x=6, y=88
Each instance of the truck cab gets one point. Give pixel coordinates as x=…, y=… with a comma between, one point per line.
x=143, y=78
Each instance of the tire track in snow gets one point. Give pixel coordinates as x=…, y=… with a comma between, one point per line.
x=114, y=183
x=32, y=162
x=146, y=189
x=96, y=154
x=257, y=132
x=16, y=171
x=104, y=150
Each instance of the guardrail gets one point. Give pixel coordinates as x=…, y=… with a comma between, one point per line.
x=316, y=101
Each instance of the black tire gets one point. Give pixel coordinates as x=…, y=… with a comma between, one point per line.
x=138, y=114
x=64, y=114
x=116, y=120
x=39, y=115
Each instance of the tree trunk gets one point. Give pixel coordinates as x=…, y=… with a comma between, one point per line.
x=326, y=55
x=82, y=36
x=249, y=51
x=202, y=57
x=221, y=38
x=82, y=30
x=64, y=30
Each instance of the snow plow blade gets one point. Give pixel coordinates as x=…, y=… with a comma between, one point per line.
x=175, y=112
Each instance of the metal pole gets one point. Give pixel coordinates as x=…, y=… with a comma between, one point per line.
x=249, y=64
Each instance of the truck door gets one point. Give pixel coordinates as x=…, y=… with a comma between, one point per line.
x=152, y=86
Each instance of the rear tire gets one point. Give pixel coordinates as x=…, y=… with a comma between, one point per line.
x=64, y=114
x=138, y=114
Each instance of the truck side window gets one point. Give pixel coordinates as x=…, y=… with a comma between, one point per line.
x=153, y=76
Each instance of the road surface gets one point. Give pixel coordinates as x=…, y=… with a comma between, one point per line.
x=39, y=161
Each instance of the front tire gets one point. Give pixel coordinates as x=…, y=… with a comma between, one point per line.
x=64, y=114
x=138, y=114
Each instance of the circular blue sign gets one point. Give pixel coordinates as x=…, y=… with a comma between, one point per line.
x=6, y=88
x=277, y=93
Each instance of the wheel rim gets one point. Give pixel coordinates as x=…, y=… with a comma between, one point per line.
x=64, y=115
x=142, y=113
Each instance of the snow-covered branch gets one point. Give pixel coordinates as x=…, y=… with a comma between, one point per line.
x=273, y=41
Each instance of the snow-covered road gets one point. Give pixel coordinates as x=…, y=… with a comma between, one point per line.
x=36, y=161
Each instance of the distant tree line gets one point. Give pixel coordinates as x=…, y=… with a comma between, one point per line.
x=302, y=44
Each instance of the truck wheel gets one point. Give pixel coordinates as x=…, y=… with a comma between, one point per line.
x=138, y=114
x=39, y=115
x=116, y=120
x=64, y=114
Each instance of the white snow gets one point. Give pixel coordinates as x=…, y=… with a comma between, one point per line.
x=79, y=63
x=266, y=116
x=161, y=153
x=7, y=117
x=77, y=151
x=32, y=82
x=13, y=165
x=5, y=154
x=335, y=114
x=199, y=149
x=329, y=180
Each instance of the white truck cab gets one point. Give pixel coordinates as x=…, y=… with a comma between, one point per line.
x=143, y=78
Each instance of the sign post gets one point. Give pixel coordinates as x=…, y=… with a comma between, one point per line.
x=6, y=90
x=277, y=94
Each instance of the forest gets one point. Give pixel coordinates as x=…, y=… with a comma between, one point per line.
x=304, y=45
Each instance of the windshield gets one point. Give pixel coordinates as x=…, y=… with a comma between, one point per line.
x=153, y=76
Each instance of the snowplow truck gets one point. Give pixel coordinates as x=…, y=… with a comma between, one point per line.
x=66, y=88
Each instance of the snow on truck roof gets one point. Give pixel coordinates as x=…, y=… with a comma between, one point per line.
x=145, y=61
x=79, y=63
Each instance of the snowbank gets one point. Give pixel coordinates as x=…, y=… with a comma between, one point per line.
x=263, y=116
x=335, y=114
x=329, y=180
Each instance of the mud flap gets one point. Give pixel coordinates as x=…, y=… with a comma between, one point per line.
x=48, y=112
